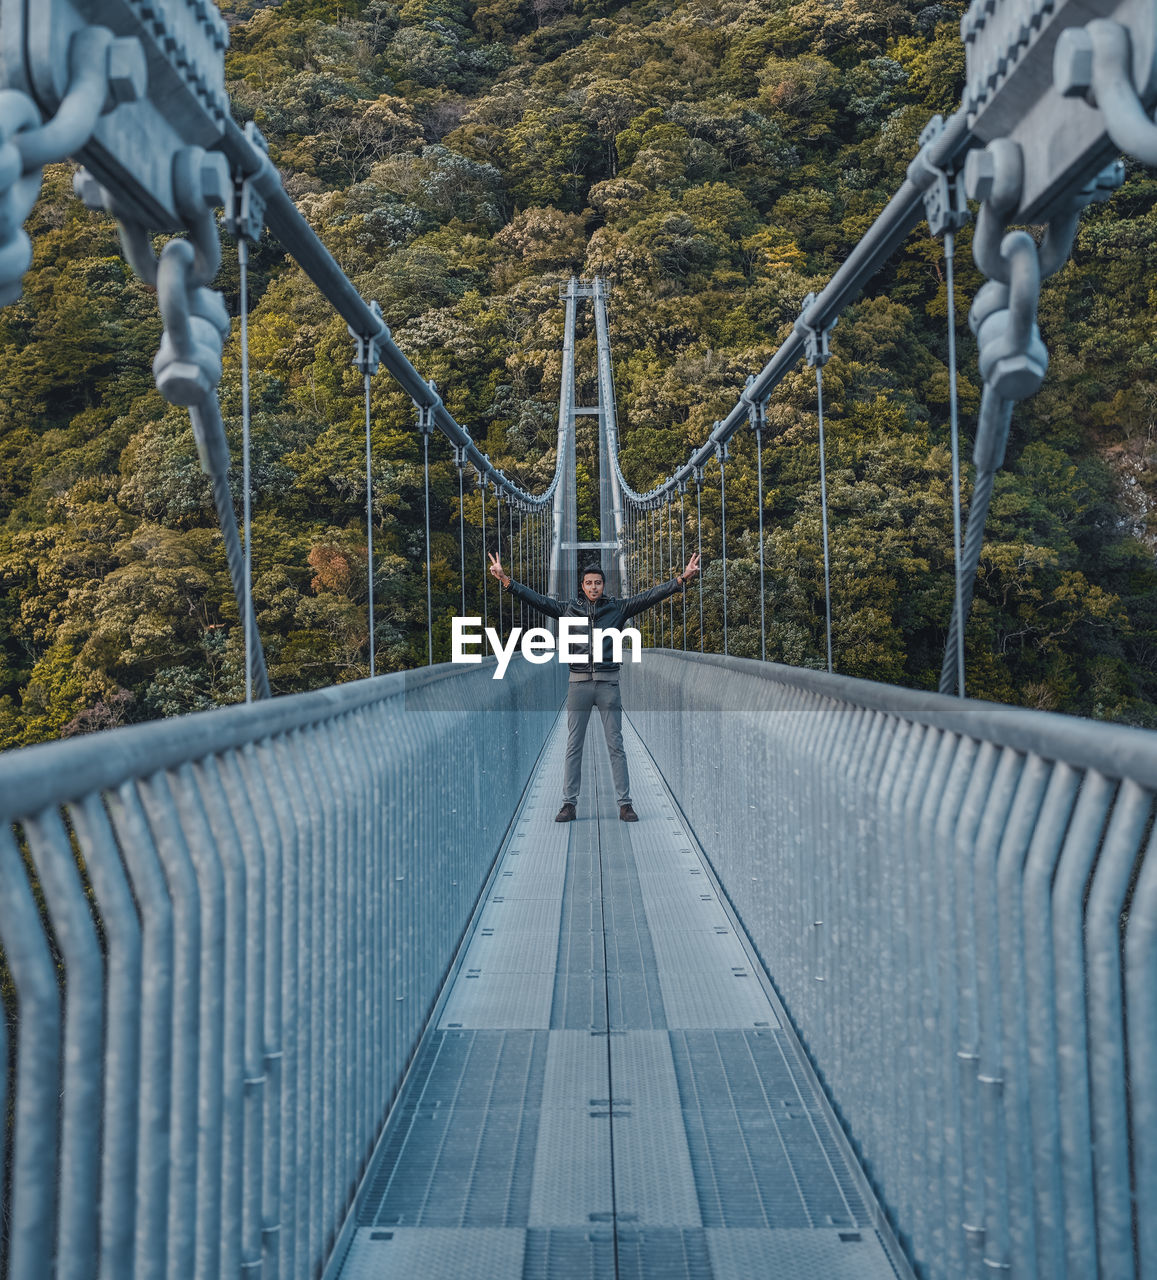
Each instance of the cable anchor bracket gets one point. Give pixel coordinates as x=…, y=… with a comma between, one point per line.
x=756, y=409
x=816, y=348
x=945, y=203
x=245, y=206
x=368, y=347
x=426, y=412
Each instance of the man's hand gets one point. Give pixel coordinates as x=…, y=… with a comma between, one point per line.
x=496, y=569
x=691, y=570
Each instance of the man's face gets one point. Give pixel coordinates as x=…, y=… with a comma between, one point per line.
x=592, y=586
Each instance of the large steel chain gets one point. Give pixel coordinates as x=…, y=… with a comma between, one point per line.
x=187, y=366
x=104, y=71
x=1011, y=353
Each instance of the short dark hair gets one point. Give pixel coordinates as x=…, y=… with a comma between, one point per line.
x=593, y=568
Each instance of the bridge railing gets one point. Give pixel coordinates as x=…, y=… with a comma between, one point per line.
x=221, y=938
x=958, y=905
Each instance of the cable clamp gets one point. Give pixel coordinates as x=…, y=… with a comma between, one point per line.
x=756, y=409
x=368, y=347
x=816, y=349
x=459, y=456
x=245, y=206
x=697, y=476
x=945, y=205
x=426, y=411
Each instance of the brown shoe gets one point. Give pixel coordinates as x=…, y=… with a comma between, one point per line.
x=565, y=814
x=627, y=814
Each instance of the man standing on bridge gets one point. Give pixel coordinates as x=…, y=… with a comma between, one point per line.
x=595, y=683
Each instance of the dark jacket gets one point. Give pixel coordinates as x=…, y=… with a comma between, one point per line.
x=608, y=612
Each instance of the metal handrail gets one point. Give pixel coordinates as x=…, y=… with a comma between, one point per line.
x=957, y=903
x=224, y=934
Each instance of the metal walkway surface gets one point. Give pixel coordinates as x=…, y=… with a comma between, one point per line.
x=607, y=1090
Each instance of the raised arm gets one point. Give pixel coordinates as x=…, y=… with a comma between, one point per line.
x=656, y=595
x=544, y=604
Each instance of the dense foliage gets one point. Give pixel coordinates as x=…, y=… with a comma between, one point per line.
x=715, y=160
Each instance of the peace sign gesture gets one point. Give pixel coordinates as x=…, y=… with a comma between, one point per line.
x=496, y=569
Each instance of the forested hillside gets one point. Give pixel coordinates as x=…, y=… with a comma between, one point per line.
x=715, y=160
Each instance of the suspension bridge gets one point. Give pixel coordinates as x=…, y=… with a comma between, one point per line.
x=314, y=985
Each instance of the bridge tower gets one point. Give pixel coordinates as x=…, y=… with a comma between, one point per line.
x=568, y=553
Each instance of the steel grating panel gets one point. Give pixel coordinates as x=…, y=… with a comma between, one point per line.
x=527, y=915
x=635, y=1001
x=714, y=948
x=434, y=1253
x=809, y=1090
x=654, y=1177
x=520, y=885
x=479, y=1069
x=579, y=951
x=499, y=1000
x=572, y=1168
x=511, y=951
x=580, y=1002
x=755, y=1142
x=832, y=1255
x=649, y=1253
x=576, y=1069
x=683, y=913
x=579, y=999
x=459, y=1146
x=569, y=1254
x=714, y=999
x=634, y=994
x=644, y=1070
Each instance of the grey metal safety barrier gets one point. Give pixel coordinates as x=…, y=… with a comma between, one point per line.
x=223, y=935
x=957, y=902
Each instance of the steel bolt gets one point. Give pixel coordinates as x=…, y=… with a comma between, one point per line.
x=1073, y=64
x=979, y=174
x=216, y=185
x=128, y=72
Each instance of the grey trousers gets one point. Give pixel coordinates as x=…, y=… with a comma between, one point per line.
x=582, y=696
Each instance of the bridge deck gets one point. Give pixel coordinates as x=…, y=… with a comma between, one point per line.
x=608, y=1091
